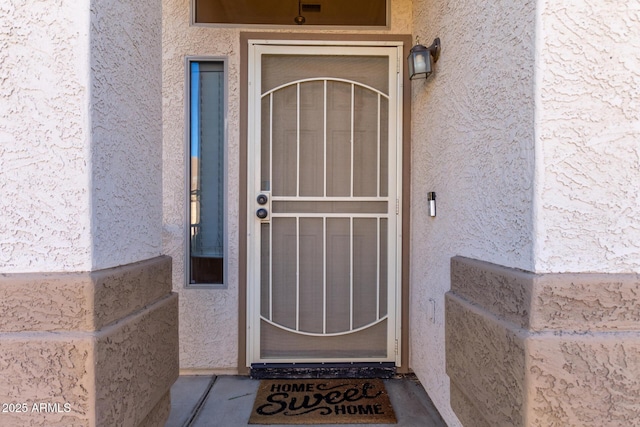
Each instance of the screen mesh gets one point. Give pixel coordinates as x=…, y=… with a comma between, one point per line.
x=324, y=152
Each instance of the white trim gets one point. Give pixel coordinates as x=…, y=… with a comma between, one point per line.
x=325, y=43
x=324, y=139
x=253, y=250
x=297, y=140
x=351, y=269
x=330, y=215
x=398, y=246
x=393, y=314
x=351, y=137
x=378, y=269
x=324, y=334
x=324, y=274
x=378, y=149
x=328, y=199
x=297, y=273
x=325, y=80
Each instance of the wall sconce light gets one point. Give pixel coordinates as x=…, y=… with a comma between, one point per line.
x=421, y=59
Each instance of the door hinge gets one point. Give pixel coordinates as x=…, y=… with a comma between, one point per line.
x=396, y=346
x=397, y=206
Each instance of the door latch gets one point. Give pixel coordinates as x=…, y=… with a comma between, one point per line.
x=264, y=206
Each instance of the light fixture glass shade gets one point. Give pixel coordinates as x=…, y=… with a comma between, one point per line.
x=419, y=63
x=421, y=59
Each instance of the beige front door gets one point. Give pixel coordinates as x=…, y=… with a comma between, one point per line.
x=324, y=197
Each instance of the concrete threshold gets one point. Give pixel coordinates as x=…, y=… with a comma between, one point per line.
x=227, y=400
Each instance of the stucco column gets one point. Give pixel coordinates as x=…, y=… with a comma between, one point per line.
x=528, y=349
x=528, y=132
x=88, y=331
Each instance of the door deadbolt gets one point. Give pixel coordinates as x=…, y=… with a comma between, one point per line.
x=262, y=199
x=262, y=213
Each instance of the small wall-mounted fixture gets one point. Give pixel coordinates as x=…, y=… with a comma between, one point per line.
x=431, y=197
x=421, y=59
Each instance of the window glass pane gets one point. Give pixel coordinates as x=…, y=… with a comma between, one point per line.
x=364, y=13
x=206, y=172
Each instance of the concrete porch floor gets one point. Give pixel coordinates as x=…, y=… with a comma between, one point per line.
x=226, y=401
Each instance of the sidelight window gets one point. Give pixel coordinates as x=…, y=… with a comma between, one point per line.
x=206, y=164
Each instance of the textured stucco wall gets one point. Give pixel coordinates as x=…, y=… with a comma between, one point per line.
x=103, y=342
x=80, y=134
x=527, y=349
x=44, y=135
x=64, y=367
x=126, y=128
x=136, y=362
x=473, y=144
x=587, y=137
x=488, y=363
x=209, y=318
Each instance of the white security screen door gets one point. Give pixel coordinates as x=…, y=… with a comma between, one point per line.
x=323, y=203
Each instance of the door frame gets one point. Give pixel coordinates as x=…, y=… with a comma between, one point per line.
x=403, y=41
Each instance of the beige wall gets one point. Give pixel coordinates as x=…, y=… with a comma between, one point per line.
x=587, y=132
x=80, y=132
x=45, y=223
x=526, y=133
x=528, y=349
x=209, y=318
x=88, y=318
x=528, y=136
x=473, y=144
x=103, y=343
x=125, y=61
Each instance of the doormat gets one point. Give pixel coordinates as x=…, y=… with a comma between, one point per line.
x=333, y=401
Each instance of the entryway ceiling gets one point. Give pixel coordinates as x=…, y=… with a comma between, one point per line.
x=283, y=12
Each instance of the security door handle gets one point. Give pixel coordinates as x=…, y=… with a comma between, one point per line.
x=262, y=213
